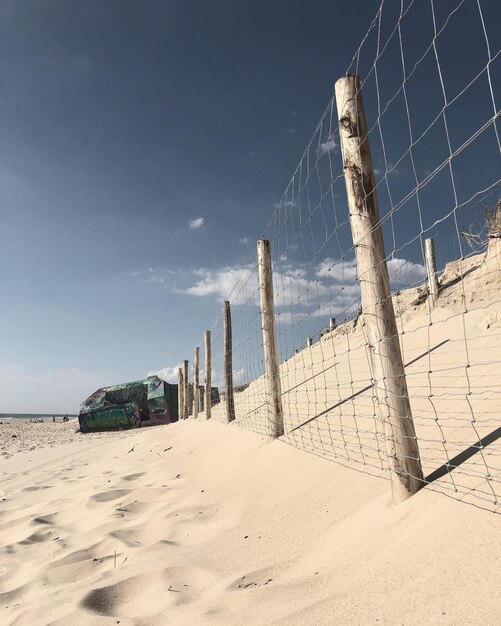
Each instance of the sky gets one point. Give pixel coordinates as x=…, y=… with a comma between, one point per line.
x=144, y=146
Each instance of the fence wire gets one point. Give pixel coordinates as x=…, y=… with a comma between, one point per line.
x=432, y=109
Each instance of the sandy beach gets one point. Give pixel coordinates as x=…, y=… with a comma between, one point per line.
x=251, y=255
x=204, y=523
x=201, y=522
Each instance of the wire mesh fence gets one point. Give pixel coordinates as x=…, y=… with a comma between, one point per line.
x=433, y=130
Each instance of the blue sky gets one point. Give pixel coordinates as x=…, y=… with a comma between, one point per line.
x=144, y=147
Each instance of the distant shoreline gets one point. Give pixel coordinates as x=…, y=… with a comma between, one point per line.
x=27, y=416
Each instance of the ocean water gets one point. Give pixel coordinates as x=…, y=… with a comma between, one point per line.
x=47, y=417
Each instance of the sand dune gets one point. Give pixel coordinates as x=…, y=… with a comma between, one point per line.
x=453, y=352
x=203, y=523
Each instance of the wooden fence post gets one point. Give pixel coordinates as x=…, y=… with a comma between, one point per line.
x=269, y=337
x=228, y=362
x=196, y=372
x=332, y=324
x=186, y=391
x=380, y=324
x=431, y=267
x=309, y=342
x=208, y=376
x=180, y=394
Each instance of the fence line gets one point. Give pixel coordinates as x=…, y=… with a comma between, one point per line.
x=432, y=129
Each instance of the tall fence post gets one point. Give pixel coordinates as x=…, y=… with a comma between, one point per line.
x=431, y=267
x=380, y=324
x=208, y=376
x=196, y=372
x=228, y=362
x=269, y=337
x=180, y=394
x=186, y=391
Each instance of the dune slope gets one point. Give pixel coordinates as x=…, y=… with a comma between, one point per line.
x=202, y=523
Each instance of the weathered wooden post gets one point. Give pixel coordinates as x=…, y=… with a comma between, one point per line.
x=196, y=372
x=228, y=362
x=186, y=391
x=309, y=342
x=180, y=394
x=431, y=267
x=332, y=323
x=380, y=324
x=208, y=376
x=269, y=338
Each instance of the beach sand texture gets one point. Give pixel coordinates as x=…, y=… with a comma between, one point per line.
x=201, y=522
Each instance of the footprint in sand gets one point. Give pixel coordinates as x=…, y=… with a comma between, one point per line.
x=156, y=590
x=37, y=487
x=131, y=537
x=44, y=519
x=133, y=476
x=78, y=565
x=99, y=552
x=257, y=578
x=14, y=522
x=38, y=537
x=142, y=535
x=73, y=573
x=108, y=496
x=14, y=594
x=189, y=513
x=87, y=554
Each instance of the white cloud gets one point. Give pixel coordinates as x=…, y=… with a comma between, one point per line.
x=298, y=297
x=239, y=376
x=291, y=131
x=344, y=270
x=220, y=282
x=393, y=169
x=290, y=281
x=197, y=222
x=328, y=146
x=295, y=287
x=284, y=203
x=404, y=273
x=389, y=171
x=151, y=275
x=292, y=285
x=328, y=289
x=244, y=240
x=169, y=374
